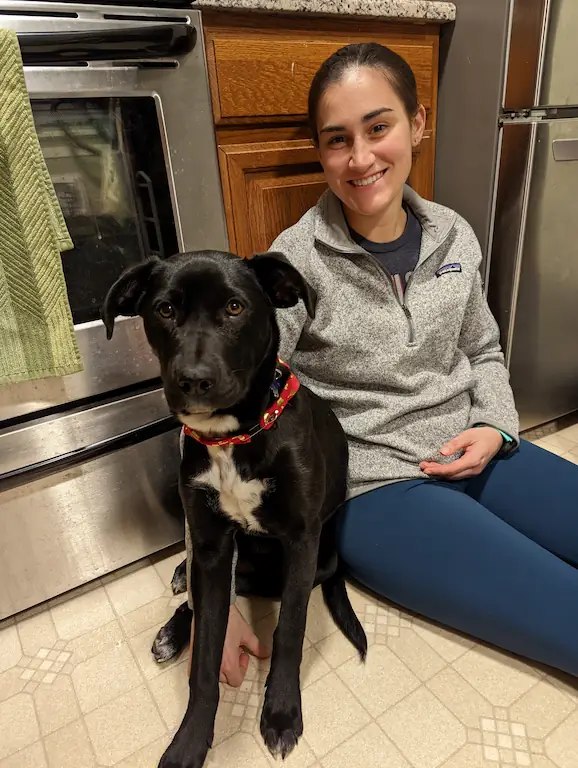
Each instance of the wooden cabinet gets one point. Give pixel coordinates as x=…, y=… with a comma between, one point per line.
x=260, y=68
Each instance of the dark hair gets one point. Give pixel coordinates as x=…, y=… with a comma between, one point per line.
x=395, y=69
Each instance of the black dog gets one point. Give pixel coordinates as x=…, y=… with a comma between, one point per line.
x=210, y=319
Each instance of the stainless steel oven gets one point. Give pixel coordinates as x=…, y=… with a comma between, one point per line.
x=88, y=462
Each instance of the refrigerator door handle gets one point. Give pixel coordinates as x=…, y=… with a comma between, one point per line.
x=565, y=149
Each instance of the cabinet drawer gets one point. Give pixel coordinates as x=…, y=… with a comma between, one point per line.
x=270, y=78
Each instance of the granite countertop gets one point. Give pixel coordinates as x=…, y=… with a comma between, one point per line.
x=426, y=10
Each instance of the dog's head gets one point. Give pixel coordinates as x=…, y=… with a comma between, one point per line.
x=209, y=318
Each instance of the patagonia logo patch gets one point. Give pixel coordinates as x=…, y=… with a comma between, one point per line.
x=448, y=268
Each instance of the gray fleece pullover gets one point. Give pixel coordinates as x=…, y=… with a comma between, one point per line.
x=403, y=379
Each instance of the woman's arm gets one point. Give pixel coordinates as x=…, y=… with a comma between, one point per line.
x=492, y=397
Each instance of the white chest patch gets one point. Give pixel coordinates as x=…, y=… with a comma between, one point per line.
x=238, y=498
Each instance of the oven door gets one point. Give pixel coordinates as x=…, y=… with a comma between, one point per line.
x=122, y=110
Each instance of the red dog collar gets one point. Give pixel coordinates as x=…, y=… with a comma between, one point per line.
x=267, y=420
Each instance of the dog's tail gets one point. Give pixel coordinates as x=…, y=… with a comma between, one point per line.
x=337, y=601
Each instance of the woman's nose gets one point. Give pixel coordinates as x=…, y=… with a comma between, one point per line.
x=362, y=156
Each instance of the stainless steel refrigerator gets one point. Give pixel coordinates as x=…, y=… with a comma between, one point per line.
x=521, y=189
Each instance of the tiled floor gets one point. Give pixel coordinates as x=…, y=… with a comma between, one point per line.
x=79, y=688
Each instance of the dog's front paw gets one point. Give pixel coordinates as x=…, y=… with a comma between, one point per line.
x=179, y=580
x=281, y=727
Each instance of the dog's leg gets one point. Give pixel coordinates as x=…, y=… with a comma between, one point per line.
x=281, y=721
x=212, y=538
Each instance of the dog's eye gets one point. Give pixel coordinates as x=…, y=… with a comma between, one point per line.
x=166, y=310
x=234, y=307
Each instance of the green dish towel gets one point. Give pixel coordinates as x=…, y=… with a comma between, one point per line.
x=36, y=330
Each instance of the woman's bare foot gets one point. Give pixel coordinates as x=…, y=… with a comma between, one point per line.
x=235, y=659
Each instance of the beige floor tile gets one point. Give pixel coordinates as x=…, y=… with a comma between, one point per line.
x=11, y=683
x=331, y=714
x=97, y=641
x=105, y=677
x=70, y=747
x=539, y=761
x=313, y=667
x=165, y=565
x=561, y=441
x=542, y=709
x=566, y=684
x=572, y=456
x=10, y=648
x=499, y=678
x=359, y=597
x=153, y=614
x=147, y=757
x=370, y=748
x=30, y=757
x=240, y=751
x=562, y=743
x=570, y=433
x=448, y=644
x=133, y=590
x=336, y=649
x=381, y=682
x=171, y=693
x=553, y=447
x=18, y=724
x=141, y=648
x=120, y=728
x=423, y=729
x=37, y=632
x=83, y=612
x=469, y=756
x=56, y=704
x=460, y=698
x=416, y=654
x=319, y=622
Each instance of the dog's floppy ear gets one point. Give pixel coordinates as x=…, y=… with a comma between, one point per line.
x=124, y=296
x=283, y=284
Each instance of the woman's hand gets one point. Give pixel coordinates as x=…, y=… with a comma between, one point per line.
x=479, y=446
x=235, y=658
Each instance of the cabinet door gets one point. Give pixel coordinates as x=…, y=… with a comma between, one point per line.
x=267, y=187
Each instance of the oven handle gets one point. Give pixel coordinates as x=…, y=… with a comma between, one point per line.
x=152, y=41
x=40, y=469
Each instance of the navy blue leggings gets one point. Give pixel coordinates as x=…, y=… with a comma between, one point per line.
x=494, y=557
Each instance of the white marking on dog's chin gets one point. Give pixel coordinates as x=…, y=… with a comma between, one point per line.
x=238, y=498
x=207, y=424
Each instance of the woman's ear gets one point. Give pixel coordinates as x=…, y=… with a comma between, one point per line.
x=418, y=126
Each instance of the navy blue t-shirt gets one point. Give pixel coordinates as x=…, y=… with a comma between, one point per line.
x=399, y=257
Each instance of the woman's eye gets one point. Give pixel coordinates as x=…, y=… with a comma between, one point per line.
x=234, y=308
x=166, y=310
x=380, y=128
x=335, y=140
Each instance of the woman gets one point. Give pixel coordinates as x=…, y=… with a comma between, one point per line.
x=449, y=516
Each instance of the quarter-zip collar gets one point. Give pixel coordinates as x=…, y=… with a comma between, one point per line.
x=331, y=230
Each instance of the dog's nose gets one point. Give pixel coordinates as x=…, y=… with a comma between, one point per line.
x=195, y=382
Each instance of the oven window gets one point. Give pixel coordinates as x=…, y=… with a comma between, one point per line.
x=106, y=160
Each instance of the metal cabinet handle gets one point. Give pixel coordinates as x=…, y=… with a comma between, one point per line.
x=152, y=41
x=40, y=469
x=565, y=149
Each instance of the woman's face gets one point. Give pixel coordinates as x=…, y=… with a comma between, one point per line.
x=366, y=140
